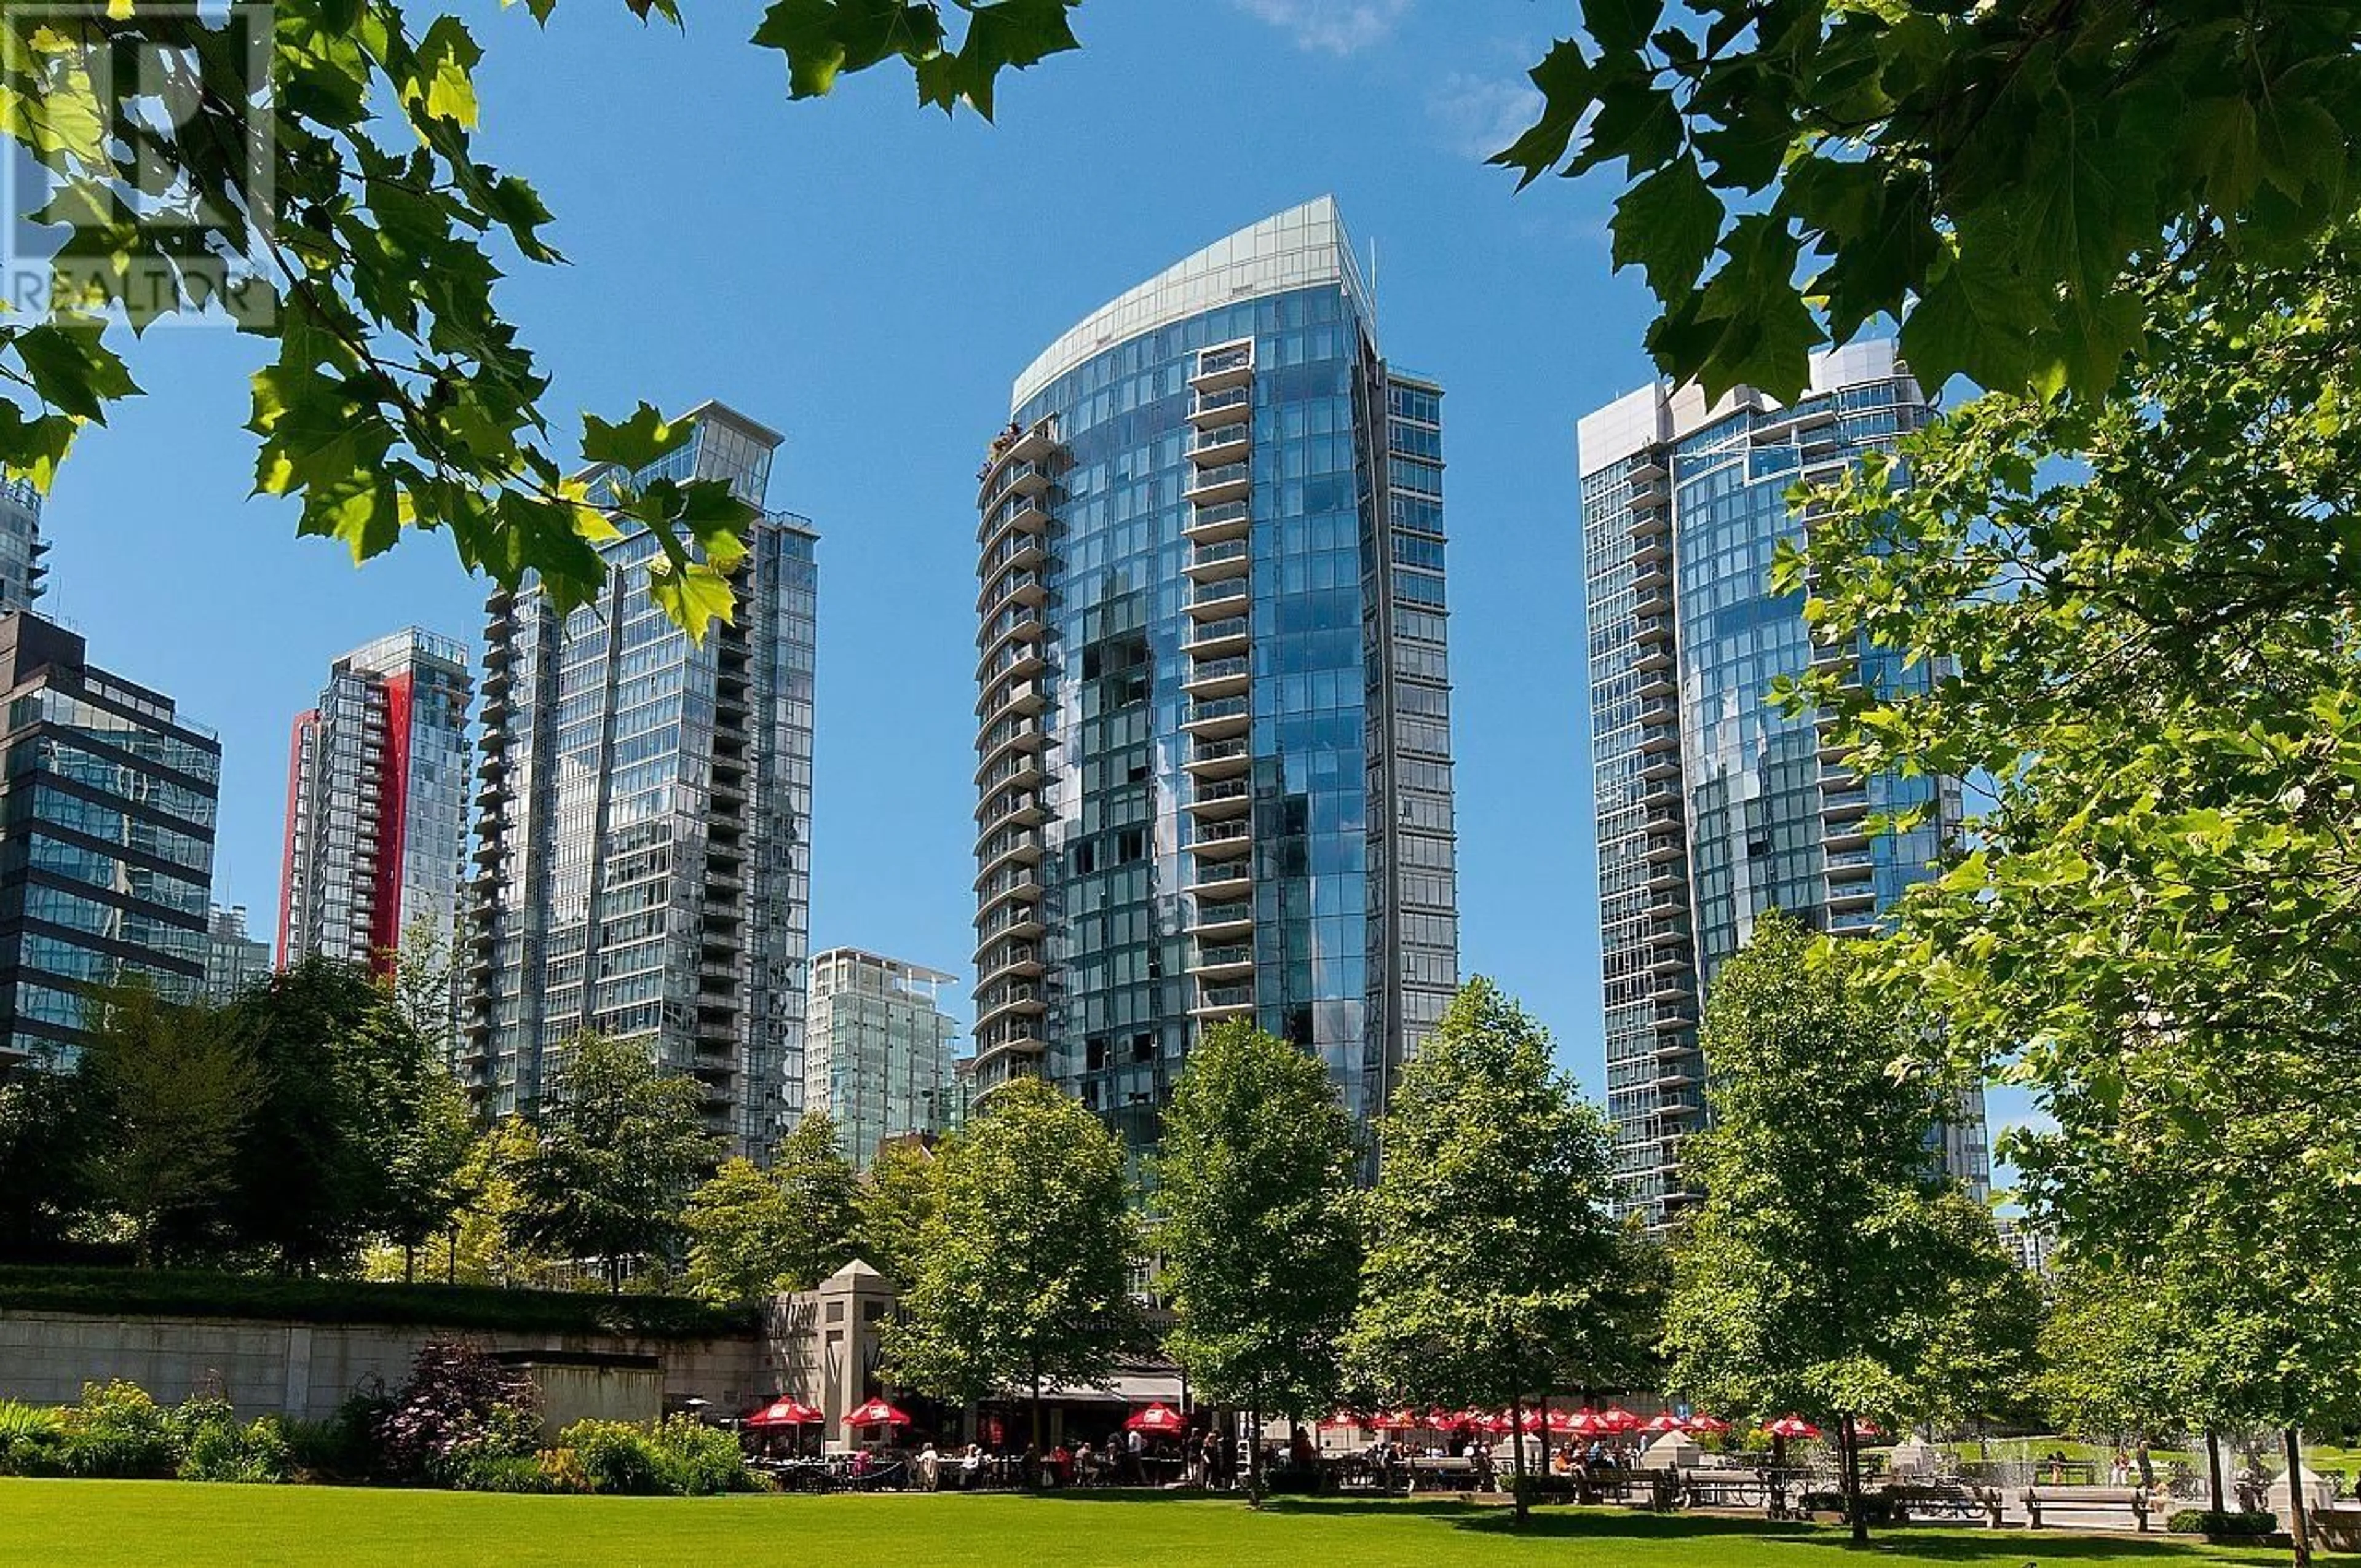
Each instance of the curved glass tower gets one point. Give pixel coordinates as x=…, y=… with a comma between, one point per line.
x=1213, y=747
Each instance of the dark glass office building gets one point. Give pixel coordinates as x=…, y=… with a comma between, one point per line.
x=1712, y=806
x=1213, y=756
x=106, y=839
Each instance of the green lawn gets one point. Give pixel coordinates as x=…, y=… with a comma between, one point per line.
x=90, y=1524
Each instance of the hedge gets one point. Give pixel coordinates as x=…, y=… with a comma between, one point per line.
x=120, y=1292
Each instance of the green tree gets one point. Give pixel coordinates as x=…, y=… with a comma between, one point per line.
x=1830, y=1268
x=1492, y=1252
x=173, y=1088
x=895, y=1197
x=621, y=1144
x=45, y=1143
x=322, y=185
x=1024, y=1274
x=1261, y=1243
x=2148, y=602
x=753, y=1232
x=484, y=1244
x=1988, y=174
x=425, y=1152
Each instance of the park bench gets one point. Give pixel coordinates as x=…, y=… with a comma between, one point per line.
x=2113, y=1503
x=1432, y=1473
x=1946, y=1500
x=2338, y=1526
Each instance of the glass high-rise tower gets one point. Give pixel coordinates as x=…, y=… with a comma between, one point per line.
x=1213, y=754
x=1713, y=806
x=878, y=1052
x=23, y=574
x=642, y=860
x=376, y=802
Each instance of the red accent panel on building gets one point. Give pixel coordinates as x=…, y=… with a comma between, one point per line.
x=303, y=721
x=392, y=824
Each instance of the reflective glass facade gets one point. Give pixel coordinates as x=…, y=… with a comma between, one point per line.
x=377, y=816
x=1213, y=745
x=878, y=1057
x=642, y=863
x=233, y=961
x=23, y=572
x=108, y=811
x=1712, y=806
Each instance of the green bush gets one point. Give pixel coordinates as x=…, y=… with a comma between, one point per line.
x=501, y=1472
x=30, y=1437
x=678, y=1456
x=257, y=1453
x=120, y=1433
x=2205, y=1521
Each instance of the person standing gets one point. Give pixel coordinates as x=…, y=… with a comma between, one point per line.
x=930, y=1465
x=1135, y=1450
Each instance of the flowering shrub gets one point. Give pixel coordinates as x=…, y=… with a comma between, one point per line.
x=459, y=1407
x=119, y=1433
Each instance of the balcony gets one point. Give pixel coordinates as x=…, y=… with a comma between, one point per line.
x=1219, y=759
x=1229, y=482
x=1220, y=879
x=1223, y=519
x=1228, y=920
x=1219, y=677
x=1842, y=806
x=1015, y=808
x=1216, y=638
x=1223, y=1000
x=1014, y=847
x=1219, y=718
x=1219, y=600
x=1230, y=960
x=1009, y=883
x=1215, y=799
x=1015, y=662
x=1021, y=734
x=1228, y=558
x=1026, y=516
x=1218, y=369
x=1222, y=444
x=1025, y=697
x=1223, y=839
x=1021, y=1000
x=1010, y=920
x=1015, y=584
x=1221, y=407
x=1852, y=898
x=1011, y=958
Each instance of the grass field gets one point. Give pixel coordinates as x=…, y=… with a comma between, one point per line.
x=91, y=1524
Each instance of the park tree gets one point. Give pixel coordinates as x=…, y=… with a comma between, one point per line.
x=45, y=1140
x=753, y=1232
x=357, y=1130
x=1831, y=1268
x=1491, y=1254
x=484, y=1244
x=172, y=1091
x=1022, y=1276
x=619, y=1145
x=2143, y=603
x=891, y=1205
x=1256, y=1223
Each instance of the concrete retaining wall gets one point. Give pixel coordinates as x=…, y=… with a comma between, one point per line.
x=308, y=1369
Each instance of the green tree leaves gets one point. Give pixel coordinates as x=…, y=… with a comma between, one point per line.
x=1261, y=1245
x=2004, y=168
x=333, y=203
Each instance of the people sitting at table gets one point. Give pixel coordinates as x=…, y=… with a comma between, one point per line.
x=972, y=1465
x=1062, y=1465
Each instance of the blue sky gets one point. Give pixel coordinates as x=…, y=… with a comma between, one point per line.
x=868, y=276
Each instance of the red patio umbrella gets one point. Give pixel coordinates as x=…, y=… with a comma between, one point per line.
x=1862, y=1427
x=1708, y=1423
x=1399, y=1421
x=1587, y=1423
x=1158, y=1419
x=1790, y=1426
x=1561, y=1421
x=1665, y=1421
x=1341, y=1419
x=877, y=1413
x=1618, y=1420
x=786, y=1412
